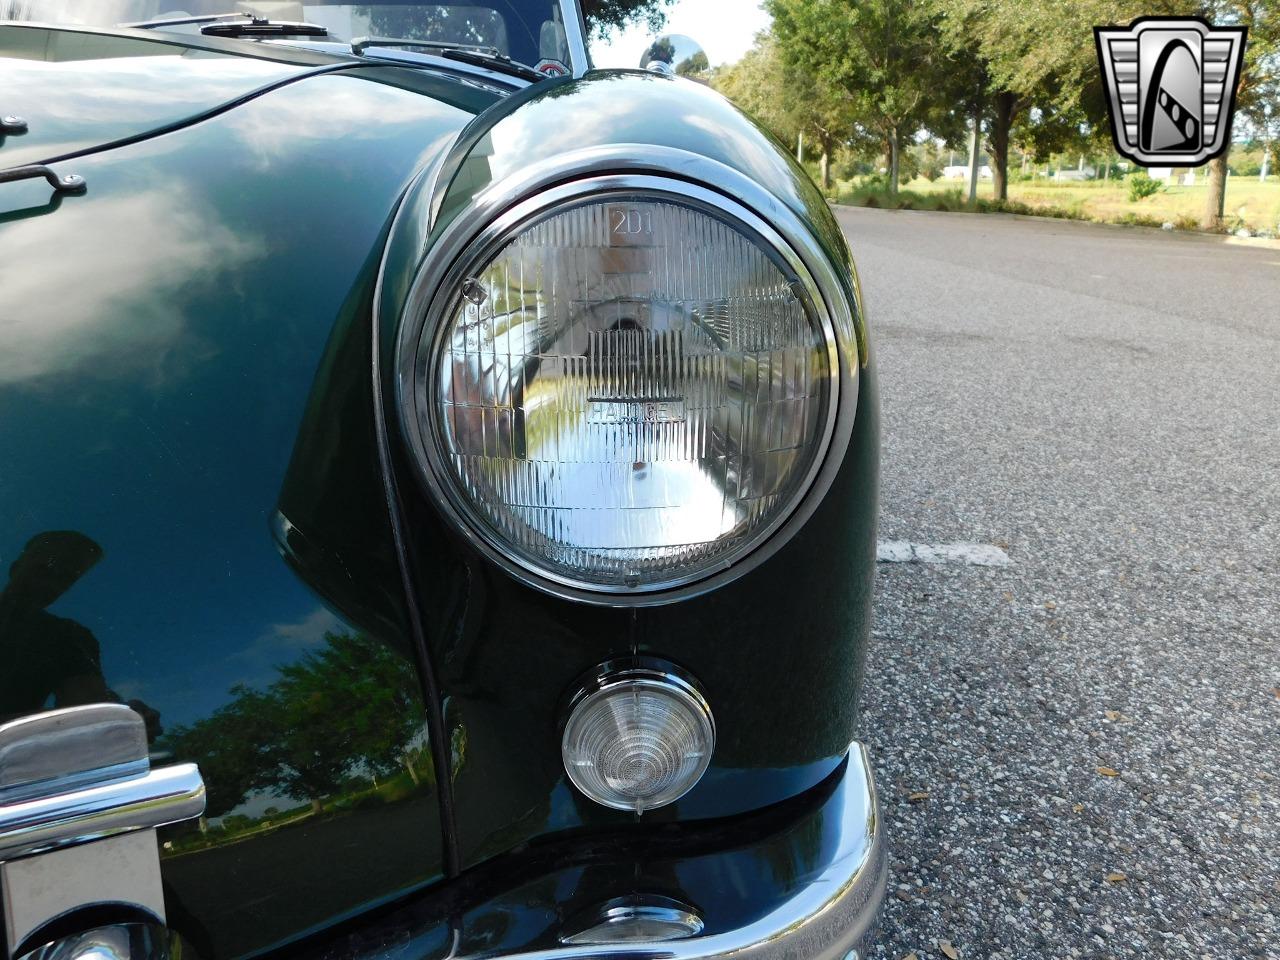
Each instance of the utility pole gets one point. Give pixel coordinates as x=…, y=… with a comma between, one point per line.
x=973, y=160
x=1266, y=142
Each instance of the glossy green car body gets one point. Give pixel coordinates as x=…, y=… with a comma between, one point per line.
x=206, y=495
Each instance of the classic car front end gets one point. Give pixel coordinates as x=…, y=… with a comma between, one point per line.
x=439, y=499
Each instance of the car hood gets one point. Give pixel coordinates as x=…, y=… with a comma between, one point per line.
x=185, y=360
x=80, y=90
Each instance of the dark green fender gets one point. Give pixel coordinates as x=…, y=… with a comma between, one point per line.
x=193, y=512
x=779, y=651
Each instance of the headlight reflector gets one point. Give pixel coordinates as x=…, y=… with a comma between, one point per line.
x=639, y=741
x=629, y=392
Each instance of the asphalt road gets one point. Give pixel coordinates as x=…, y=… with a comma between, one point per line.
x=1078, y=754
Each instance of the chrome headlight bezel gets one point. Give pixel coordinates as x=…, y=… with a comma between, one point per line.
x=478, y=233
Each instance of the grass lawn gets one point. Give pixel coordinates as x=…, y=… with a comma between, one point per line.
x=1250, y=204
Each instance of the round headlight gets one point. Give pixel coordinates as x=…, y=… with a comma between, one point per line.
x=627, y=391
x=640, y=740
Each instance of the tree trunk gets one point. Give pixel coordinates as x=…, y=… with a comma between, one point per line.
x=315, y=805
x=825, y=165
x=1001, y=122
x=1216, y=200
x=893, y=162
x=408, y=765
x=800, y=147
x=973, y=158
x=1106, y=170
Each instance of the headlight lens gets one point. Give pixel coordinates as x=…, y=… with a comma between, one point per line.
x=630, y=392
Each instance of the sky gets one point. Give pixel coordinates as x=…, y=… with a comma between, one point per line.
x=724, y=28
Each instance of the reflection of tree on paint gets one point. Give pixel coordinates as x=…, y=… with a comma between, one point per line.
x=477, y=26
x=694, y=64
x=350, y=709
x=662, y=50
x=231, y=748
x=51, y=661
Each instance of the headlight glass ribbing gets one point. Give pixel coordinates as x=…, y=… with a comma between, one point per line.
x=631, y=393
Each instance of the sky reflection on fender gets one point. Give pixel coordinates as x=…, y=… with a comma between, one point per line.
x=161, y=334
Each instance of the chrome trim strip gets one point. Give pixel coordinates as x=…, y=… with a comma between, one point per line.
x=60, y=750
x=834, y=912
x=163, y=796
x=678, y=920
x=577, y=175
x=575, y=35
x=74, y=781
x=499, y=82
x=435, y=720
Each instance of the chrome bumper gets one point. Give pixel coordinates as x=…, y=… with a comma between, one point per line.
x=834, y=912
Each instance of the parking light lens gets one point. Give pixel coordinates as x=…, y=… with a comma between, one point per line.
x=637, y=743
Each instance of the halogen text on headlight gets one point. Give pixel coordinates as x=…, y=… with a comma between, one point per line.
x=628, y=392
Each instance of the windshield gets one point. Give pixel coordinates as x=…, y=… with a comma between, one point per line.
x=528, y=31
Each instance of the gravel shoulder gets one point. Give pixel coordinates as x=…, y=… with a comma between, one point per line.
x=1078, y=754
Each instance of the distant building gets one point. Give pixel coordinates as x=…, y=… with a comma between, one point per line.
x=1174, y=175
x=960, y=171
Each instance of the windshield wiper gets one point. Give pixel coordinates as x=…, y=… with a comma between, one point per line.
x=259, y=27
x=465, y=53
x=497, y=61
x=235, y=24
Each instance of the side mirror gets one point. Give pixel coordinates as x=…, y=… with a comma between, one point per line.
x=675, y=54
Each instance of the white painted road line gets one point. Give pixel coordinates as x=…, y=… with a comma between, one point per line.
x=974, y=554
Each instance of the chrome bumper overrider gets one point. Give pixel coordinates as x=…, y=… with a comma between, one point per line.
x=835, y=911
x=79, y=807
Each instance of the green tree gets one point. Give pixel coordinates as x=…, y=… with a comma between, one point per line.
x=788, y=101
x=231, y=749
x=354, y=703
x=604, y=16
x=1142, y=186
x=1043, y=58
x=963, y=94
x=930, y=160
x=1257, y=90
x=1031, y=54
x=693, y=65
x=879, y=57
x=352, y=706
